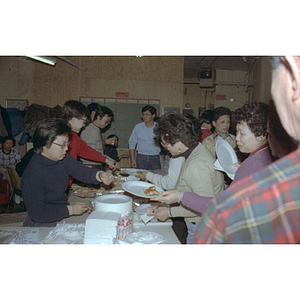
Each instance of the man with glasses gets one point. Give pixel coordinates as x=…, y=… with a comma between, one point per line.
x=142, y=141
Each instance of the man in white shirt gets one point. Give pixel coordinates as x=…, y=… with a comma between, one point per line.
x=142, y=139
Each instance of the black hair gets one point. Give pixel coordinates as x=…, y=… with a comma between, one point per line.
x=47, y=131
x=112, y=135
x=9, y=137
x=151, y=109
x=74, y=109
x=221, y=111
x=196, y=123
x=255, y=115
x=175, y=128
x=93, y=106
x=206, y=117
x=102, y=111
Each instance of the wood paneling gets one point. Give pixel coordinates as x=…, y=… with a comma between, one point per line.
x=147, y=77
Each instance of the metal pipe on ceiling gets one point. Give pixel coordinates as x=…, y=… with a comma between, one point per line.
x=71, y=62
x=222, y=83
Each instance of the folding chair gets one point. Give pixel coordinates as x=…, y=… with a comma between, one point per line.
x=15, y=183
x=4, y=193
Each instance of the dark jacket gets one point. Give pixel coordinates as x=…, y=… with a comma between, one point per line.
x=44, y=183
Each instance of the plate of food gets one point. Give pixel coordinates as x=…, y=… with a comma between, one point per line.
x=142, y=189
x=226, y=158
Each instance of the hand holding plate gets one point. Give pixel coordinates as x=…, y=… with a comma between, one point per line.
x=141, y=175
x=168, y=197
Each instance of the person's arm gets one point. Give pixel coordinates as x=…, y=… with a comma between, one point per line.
x=190, y=200
x=85, y=151
x=133, y=140
x=167, y=182
x=195, y=202
x=200, y=182
x=85, y=174
x=132, y=158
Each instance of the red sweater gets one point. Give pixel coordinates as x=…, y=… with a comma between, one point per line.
x=205, y=134
x=78, y=147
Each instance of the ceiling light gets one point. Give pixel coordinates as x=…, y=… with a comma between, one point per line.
x=44, y=59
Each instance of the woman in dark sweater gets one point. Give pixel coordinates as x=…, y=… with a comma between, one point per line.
x=45, y=180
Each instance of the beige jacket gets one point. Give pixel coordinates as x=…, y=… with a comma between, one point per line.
x=198, y=176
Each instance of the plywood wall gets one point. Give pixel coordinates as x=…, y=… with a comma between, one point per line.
x=240, y=93
x=146, y=77
x=262, y=80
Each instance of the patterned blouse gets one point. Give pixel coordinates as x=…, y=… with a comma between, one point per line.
x=10, y=159
x=210, y=141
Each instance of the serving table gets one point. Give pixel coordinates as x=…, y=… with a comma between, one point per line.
x=163, y=228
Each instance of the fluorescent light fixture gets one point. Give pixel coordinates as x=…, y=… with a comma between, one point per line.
x=44, y=59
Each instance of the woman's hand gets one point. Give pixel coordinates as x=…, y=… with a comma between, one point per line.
x=237, y=165
x=161, y=213
x=77, y=209
x=112, y=164
x=168, y=197
x=105, y=177
x=142, y=175
x=125, y=155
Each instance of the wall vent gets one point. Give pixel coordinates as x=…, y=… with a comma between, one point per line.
x=207, y=77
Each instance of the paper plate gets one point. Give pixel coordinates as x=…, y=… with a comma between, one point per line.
x=137, y=188
x=142, y=209
x=226, y=158
x=131, y=171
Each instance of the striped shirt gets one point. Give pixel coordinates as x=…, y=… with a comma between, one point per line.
x=261, y=208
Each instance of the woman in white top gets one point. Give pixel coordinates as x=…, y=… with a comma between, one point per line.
x=168, y=181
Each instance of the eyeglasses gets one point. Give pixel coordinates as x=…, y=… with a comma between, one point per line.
x=63, y=146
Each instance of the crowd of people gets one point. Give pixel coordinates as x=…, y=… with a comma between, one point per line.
x=261, y=204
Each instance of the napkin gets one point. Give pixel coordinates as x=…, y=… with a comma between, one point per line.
x=101, y=227
x=145, y=218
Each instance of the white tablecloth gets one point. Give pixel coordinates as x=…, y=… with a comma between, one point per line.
x=163, y=228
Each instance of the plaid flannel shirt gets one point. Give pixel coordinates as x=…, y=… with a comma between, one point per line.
x=262, y=208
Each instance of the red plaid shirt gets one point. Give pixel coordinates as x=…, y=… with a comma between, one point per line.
x=262, y=208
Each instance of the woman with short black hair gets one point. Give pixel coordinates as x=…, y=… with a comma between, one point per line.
x=251, y=128
x=45, y=179
x=221, y=124
x=180, y=136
